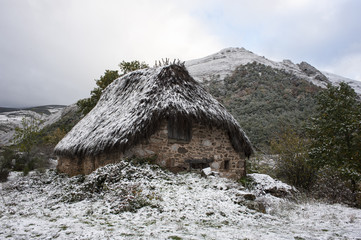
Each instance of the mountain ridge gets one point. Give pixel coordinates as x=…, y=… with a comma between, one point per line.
x=221, y=64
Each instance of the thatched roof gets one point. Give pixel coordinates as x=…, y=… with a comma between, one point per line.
x=133, y=106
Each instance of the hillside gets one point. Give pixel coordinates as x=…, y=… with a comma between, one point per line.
x=10, y=118
x=265, y=96
x=265, y=100
x=53, y=116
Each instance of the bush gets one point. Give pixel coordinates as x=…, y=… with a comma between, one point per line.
x=6, y=158
x=4, y=173
x=292, y=164
x=333, y=187
x=261, y=163
x=12, y=160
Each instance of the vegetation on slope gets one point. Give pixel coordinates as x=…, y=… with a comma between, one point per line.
x=265, y=101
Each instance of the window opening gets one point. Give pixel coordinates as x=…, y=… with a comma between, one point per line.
x=226, y=164
x=179, y=130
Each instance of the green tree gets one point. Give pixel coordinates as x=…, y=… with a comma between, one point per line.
x=55, y=137
x=336, y=130
x=87, y=104
x=26, y=139
x=127, y=67
x=28, y=135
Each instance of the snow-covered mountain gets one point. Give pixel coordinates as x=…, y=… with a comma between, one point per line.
x=335, y=79
x=10, y=119
x=219, y=65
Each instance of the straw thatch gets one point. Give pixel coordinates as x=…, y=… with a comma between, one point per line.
x=132, y=107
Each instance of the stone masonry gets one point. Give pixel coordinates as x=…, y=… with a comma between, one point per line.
x=208, y=147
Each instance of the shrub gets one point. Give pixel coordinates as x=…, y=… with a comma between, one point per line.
x=292, y=164
x=261, y=163
x=4, y=173
x=333, y=187
x=144, y=160
x=6, y=158
x=24, y=163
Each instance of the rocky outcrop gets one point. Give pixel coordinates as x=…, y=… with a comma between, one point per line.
x=311, y=71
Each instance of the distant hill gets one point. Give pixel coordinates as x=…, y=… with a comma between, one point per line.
x=46, y=109
x=5, y=109
x=52, y=115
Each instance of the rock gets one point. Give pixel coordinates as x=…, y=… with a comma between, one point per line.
x=206, y=172
x=206, y=143
x=257, y=206
x=312, y=71
x=215, y=165
x=182, y=150
x=249, y=196
x=277, y=192
x=264, y=184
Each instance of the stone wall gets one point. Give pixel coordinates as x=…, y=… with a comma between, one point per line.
x=208, y=147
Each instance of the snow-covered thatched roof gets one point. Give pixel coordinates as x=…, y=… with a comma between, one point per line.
x=133, y=106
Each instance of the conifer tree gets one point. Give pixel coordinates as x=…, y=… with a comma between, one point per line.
x=336, y=130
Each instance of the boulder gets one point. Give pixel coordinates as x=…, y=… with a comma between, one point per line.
x=206, y=172
x=263, y=184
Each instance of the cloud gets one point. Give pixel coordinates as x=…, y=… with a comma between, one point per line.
x=50, y=51
x=54, y=49
x=301, y=30
x=349, y=65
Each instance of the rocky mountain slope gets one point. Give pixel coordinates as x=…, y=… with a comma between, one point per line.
x=221, y=64
x=11, y=118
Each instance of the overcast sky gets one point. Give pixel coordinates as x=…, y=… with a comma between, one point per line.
x=52, y=50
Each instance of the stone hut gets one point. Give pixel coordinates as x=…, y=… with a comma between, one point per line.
x=160, y=112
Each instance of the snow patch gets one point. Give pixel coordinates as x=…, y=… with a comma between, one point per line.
x=335, y=79
x=177, y=206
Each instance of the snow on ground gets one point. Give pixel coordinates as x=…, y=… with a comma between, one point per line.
x=125, y=201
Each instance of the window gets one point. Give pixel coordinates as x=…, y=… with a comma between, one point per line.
x=179, y=130
x=226, y=165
